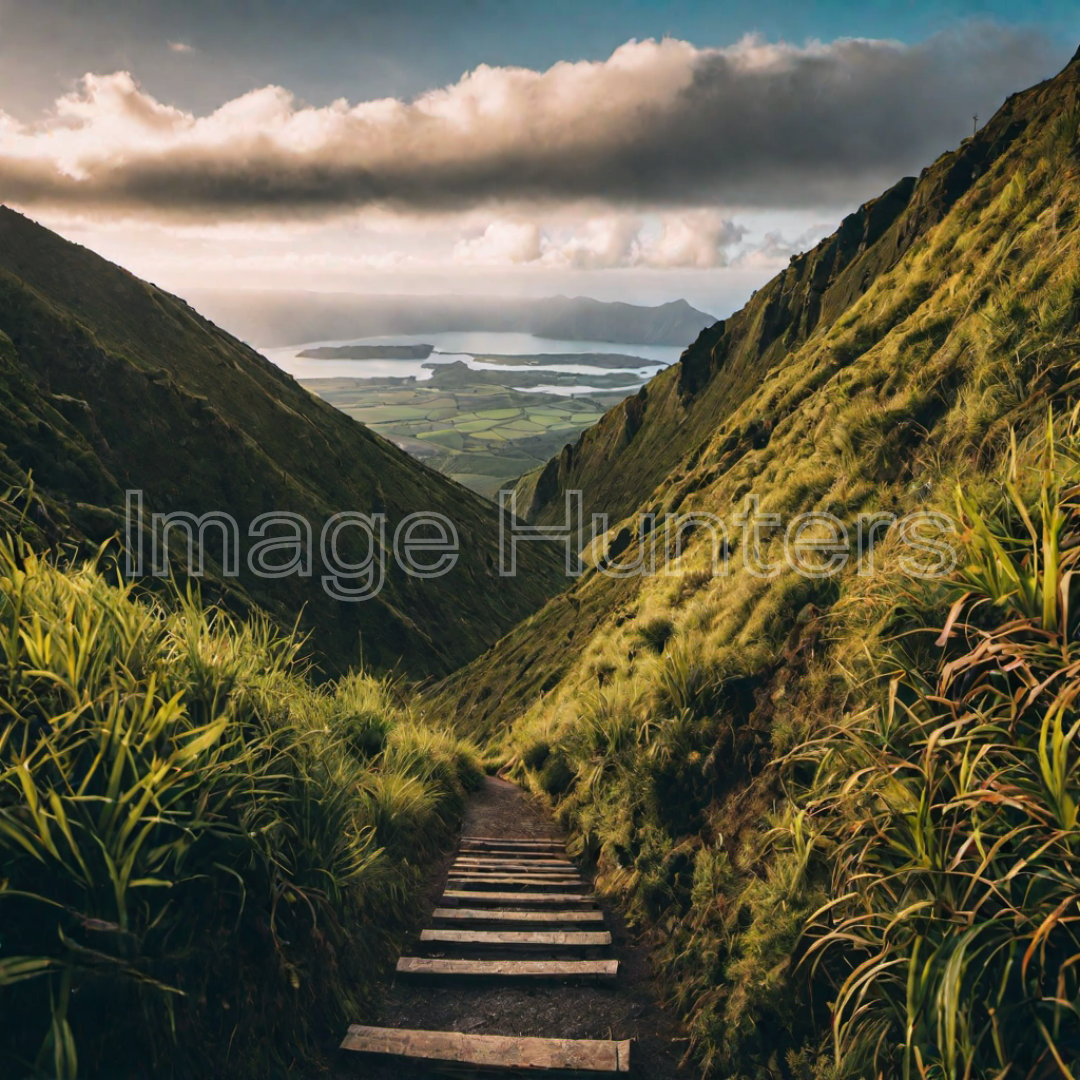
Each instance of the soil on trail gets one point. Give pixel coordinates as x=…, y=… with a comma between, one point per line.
x=625, y=1010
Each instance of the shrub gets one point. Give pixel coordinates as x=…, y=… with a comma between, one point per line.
x=655, y=633
x=535, y=754
x=556, y=777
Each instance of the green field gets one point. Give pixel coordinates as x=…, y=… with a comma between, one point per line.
x=484, y=436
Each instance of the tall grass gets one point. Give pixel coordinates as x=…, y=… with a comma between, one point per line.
x=903, y=876
x=950, y=817
x=205, y=860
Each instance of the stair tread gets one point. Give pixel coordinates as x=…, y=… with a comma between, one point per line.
x=514, y=872
x=513, y=860
x=517, y=897
x=567, y=938
x=511, y=840
x=495, y=915
x=534, y=969
x=554, y=846
x=531, y=864
x=493, y=1051
x=517, y=879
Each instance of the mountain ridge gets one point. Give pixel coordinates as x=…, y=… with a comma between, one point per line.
x=281, y=318
x=825, y=793
x=690, y=426
x=818, y=285
x=157, y=398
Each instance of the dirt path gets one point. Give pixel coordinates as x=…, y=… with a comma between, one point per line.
x=627, y=1010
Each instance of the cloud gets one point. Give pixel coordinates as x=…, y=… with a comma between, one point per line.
x=180, y=47
x=774, y=250
x=658, y=124
x=695, y=239
x=502, y=243
x=602, y=243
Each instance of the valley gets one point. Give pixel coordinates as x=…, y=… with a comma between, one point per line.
x=468, y=406
x=484, y=437
x=790, y=815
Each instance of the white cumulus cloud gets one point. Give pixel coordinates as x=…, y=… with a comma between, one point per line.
x=657, y=124
x=692, y=239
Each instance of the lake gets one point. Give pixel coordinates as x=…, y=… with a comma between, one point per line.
x=463, y=347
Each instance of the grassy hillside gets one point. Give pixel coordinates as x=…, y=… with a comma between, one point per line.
x=673, y=420
x=207, y=862
x=857, y=408
x=844, y=807
x=110, y=383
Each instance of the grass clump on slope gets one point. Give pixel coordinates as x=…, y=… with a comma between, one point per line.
x=206, y=859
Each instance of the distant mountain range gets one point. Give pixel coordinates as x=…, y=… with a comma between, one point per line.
x=269, y=319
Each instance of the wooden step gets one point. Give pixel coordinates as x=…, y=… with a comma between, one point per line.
x=470, y=881
x=471, y=838
x=493, y=1051
x=517, y=868
x=515, y=871
x=504, y=858
x=508, y=844
x=507, y=969
x=558, y=939
x=476, y=896
x=542, y=918
x=530, y=863
x=493, y=844
x=514, y=854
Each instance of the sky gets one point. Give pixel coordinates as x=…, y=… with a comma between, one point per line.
x=635, y=150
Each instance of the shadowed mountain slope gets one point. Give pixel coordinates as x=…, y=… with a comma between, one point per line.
x=108, y=383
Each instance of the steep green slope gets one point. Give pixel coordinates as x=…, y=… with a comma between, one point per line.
x=37, y=438
x=737, y=403
x=110, y=383
x=618, y=463
x=698, y=732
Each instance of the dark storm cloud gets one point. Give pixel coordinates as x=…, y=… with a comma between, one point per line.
x=658, y=123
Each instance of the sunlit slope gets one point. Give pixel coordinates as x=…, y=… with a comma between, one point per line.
x=870, y=371
x=634, y=448
x=843, y=808
x=114, y=384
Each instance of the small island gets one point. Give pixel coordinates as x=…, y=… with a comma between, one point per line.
x=597, y=360
x=369, y=352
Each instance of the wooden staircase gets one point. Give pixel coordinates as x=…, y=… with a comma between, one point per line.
x=513, y=909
